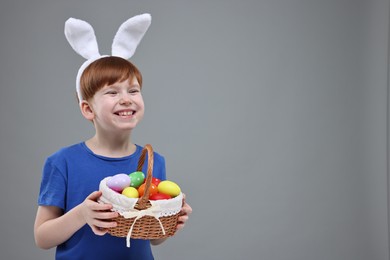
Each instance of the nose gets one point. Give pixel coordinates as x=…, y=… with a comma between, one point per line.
x=125, y=100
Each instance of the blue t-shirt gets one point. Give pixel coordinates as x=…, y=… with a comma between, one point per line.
x=69, y=176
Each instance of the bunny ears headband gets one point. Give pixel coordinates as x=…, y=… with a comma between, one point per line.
x=81, y=37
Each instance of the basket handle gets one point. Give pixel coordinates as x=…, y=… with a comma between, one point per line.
x=142, y=202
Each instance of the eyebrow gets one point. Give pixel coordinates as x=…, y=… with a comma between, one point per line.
x=116, y=86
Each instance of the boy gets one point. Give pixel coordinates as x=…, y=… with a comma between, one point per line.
x=109, y=92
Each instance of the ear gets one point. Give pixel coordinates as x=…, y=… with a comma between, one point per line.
x=81, y=37
x=129, y=35
x=87, y=110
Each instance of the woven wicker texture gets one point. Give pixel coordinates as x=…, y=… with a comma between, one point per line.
x=146, y=227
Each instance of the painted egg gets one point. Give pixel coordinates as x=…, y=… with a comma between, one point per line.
x=118, y=182
x=152, y=189
x=160, y=196
x=156, y=181
x=169, y=187
x=137, y=178
x=130, y=192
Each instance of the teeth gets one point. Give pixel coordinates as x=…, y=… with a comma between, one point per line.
x=125, y=113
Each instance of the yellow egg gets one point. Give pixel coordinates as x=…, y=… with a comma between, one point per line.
x=130, y=192
x=169, y=187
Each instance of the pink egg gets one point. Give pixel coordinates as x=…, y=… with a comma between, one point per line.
x=118, y=182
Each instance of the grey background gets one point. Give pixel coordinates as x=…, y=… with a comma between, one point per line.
x=272, y=116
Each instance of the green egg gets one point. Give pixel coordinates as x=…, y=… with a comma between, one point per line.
x=136, y=178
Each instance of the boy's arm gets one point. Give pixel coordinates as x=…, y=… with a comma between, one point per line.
x=52, y=227
x=156, y=242
x=185, y=211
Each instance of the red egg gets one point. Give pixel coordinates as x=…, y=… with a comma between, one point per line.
x=156, y=181
x=160, y=196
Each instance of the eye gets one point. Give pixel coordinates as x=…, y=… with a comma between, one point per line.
x=134, y=91
x=111, y=92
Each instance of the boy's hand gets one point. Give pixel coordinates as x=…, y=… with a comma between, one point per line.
x=186, y=210
x=97, y=215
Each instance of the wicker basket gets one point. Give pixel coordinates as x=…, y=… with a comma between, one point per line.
x=142, y=218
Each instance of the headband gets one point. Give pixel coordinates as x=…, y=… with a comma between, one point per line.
x=81, y=37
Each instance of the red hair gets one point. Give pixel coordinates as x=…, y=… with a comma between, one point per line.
x=107, y=71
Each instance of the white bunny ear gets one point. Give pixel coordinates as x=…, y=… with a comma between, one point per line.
x=129, y=35
x=81, y=37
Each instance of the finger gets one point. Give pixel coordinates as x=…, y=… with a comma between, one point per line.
x=98, y=206
x=179, y=226
x=101, y=224
x=99, y=231
x=182, y=219
x=94, y=195
x=186, y=210
x=184, y=199
x=103, y=206
x=106, y=215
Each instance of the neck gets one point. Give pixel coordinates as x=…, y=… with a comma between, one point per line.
x=111, y=146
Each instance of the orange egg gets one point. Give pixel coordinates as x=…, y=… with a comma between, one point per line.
x=152, y=190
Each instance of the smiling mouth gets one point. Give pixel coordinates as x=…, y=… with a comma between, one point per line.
x=125, y=113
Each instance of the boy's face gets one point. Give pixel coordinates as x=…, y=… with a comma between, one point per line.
x=116, y=107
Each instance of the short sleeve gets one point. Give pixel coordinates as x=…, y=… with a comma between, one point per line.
x=53, y=186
